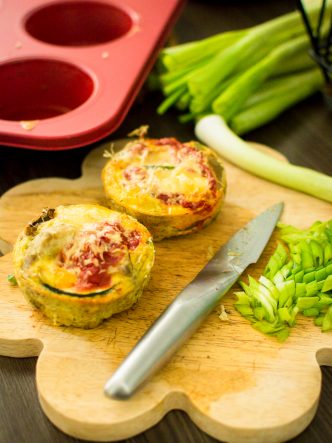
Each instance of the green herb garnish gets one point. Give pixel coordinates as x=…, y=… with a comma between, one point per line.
x=159, y=166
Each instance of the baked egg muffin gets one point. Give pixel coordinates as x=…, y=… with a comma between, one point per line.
x=80, y=264
x=173, y=188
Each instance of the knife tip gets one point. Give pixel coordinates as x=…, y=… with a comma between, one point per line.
x=277, y=209
x=117, y=390
x=279, y=205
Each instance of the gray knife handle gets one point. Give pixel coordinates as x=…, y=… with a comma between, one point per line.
x=175, y=325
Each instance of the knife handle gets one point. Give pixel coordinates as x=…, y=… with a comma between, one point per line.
x=175, y=325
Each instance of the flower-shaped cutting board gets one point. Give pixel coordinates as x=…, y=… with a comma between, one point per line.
x=234, y=383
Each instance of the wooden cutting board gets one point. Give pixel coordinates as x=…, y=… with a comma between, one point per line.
x=235, y=383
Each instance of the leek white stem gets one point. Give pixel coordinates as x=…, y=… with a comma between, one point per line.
x=214, y=132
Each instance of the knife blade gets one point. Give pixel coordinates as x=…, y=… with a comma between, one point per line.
x=183, y=316
x=5, y=247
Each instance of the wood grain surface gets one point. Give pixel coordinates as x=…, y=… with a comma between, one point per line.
x=303, y=134
x=234, y=383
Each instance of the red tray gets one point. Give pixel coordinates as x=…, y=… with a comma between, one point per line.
x=70, y=70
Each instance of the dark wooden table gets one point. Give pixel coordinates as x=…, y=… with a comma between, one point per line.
x=303, y=134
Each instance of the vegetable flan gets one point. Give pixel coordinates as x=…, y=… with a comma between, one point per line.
x=80, y=264
x=173, y=188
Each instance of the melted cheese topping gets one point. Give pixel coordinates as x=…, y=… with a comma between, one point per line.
x=83, y=255
x=162, y=175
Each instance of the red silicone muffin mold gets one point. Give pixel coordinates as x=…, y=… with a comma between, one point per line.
x=70, y=70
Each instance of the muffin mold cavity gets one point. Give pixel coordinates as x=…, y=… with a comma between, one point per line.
x=70, y=70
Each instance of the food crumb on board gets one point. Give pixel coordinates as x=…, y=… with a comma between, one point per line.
x=223, y=314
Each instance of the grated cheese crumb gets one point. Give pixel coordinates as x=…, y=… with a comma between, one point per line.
x=28, y=125
x=108, y=153
x=139, y=132
x=209, y=252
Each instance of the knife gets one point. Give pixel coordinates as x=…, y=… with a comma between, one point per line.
x=183, y=316
x=5, y=247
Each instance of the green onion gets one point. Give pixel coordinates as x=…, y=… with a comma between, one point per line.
x=222, y=72
x=327, y=320
x=274, y=98
x=189, y=53
x=12, y=280
x=171, y=99
x=213, y=131
x=327, y=286
x=293, y=65
x=256, y=39
x=230, y=101
x=276, y=261
x=288, y=286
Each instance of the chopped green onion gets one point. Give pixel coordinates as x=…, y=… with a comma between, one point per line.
x=288, y=287
x=327, y=286
x=327, y=320
x=12, y=280
x=310, y=312
x=304, y=303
